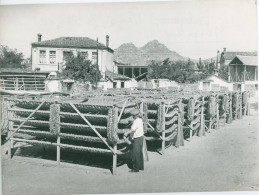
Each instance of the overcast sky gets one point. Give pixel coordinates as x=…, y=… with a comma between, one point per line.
x=194, y=29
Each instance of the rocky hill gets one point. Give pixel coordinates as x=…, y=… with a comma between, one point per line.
x=128, y=53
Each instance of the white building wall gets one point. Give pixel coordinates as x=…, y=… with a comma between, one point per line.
x=105, y=58
x=215, y=80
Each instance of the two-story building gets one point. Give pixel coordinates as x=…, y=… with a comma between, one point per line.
x=50, y=55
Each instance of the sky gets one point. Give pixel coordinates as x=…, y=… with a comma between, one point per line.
x=192, y=28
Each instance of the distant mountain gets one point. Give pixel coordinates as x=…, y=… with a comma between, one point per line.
x=128, y=53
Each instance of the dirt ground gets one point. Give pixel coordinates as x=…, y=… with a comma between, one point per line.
x=227, y=159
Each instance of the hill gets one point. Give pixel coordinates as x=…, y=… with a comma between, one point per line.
x=128, y=53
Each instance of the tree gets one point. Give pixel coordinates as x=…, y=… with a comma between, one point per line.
x=200, y=64
x=223, y=72
x=10, y=58
x=79, y=68
x=178, y=71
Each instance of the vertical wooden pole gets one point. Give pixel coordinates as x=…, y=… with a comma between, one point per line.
x=145, y=154
x=114, y=160
x=231, y=106
x=3, y=84
x=54, y=121
x=248, y=109
x=217, y=109
x=202, y=127
x=191, y=131
x=10, y=128
x=144, y=118
x=236, y=110
x=210, y=121
x=163, y=126
x=241, y=106
x=58, y=134
x=179, y=138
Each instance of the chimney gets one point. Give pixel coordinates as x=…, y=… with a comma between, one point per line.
x=107, y=40
x=39, y=37
x=224, y=49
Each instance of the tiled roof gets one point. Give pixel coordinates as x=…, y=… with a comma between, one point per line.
x=230, y=55
x=71, y=42
x=246, y=60
x=113, y=76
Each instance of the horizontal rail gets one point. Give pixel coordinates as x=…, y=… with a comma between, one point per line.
x=81, y=148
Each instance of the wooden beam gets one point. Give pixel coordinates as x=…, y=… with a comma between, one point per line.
x=92, y=127
x=17, y=129
x=114, y=160
x=122, y=110
x=163, y=126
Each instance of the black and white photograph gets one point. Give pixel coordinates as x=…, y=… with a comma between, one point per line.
x=129, y=97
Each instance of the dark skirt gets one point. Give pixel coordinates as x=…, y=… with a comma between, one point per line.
x=137, y=153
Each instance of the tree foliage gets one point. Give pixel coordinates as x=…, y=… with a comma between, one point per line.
x=81, y=69
x=10, y=58
x=183, y=71
x=223, y=72
x=179, y=71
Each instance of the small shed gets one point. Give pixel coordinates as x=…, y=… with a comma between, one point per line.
x=113, y=80
x=215, y=83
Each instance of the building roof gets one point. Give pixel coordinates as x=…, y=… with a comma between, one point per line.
x=71, y=42
x=21, y=72
x=245, y=60
x=209, y=78
x=230, y=55
x=113, y=76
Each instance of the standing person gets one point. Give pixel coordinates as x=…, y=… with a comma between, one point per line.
x=137, y=142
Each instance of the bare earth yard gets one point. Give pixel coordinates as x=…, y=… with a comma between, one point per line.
x=226, y=159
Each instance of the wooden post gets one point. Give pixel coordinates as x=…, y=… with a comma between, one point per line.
x=16, y=84
x=230, y=108
x=238, y=107
x=114, y=159
x=54, y=125
x=144, y=109
x=245, y=106
x=163, y=125
x=179, y=138
x=217, y=119
x=248, y=109
x=145, y=154
x=3, y=84
x=202, y=128
x=191, y=131
x=10, y=127
x=210, y=124
x=241, y=106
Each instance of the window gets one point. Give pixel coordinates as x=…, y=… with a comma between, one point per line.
x=128, y=72
x=85, y=54
x=136, y=71
x=114, y=84
x=143, y=70
x=94, y=57
x=42, y=56
x=120, y=71
x=52, y=57
x=122, y=85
